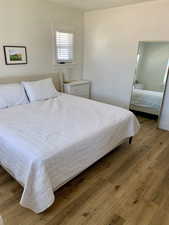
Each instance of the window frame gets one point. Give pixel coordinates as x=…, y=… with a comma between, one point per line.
x=57, y=61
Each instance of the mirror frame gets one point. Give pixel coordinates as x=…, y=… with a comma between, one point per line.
x=162, y=104
x=167, y=80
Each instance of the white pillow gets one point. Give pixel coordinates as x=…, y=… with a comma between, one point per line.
x=40, y=90
x=11, y=95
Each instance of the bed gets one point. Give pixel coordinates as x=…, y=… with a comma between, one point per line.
x=45, y=144
x=146, y=101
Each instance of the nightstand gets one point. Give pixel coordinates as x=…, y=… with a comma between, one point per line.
x=79, y=88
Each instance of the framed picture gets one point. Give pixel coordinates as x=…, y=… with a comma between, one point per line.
x=15, y=55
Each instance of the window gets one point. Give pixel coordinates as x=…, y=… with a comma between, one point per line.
x=64, y=47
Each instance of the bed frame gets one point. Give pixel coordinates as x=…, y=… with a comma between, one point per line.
x=56, y=77
x=58, y=82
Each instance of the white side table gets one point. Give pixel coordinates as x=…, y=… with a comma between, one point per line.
x=79, y=88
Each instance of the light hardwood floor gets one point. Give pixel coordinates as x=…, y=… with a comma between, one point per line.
x=130, y=186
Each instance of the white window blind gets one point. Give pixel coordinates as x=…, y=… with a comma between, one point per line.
x=64, y=47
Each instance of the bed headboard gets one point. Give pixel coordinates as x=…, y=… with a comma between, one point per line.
x=56, y=77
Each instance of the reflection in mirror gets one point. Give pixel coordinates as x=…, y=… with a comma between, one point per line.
x=150, y=77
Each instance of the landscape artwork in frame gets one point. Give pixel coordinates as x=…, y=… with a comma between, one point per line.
x=15, y=55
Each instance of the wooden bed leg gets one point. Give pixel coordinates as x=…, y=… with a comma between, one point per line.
x=130, y=140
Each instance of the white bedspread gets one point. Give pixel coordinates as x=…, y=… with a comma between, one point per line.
x=45, y=144
x=146, y=98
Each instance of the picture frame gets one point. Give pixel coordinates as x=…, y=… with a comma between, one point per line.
x=15, y=55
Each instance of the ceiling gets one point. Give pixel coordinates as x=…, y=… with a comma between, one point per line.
x=96, y=4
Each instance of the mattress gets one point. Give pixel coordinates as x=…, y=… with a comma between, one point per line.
x=44, y=144
x=146, y=98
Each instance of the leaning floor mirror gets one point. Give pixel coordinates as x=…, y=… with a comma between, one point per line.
x=150, y=79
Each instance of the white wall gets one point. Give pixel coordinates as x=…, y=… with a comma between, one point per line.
x=32, y=23
x=153, y=63
x=111, y=42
